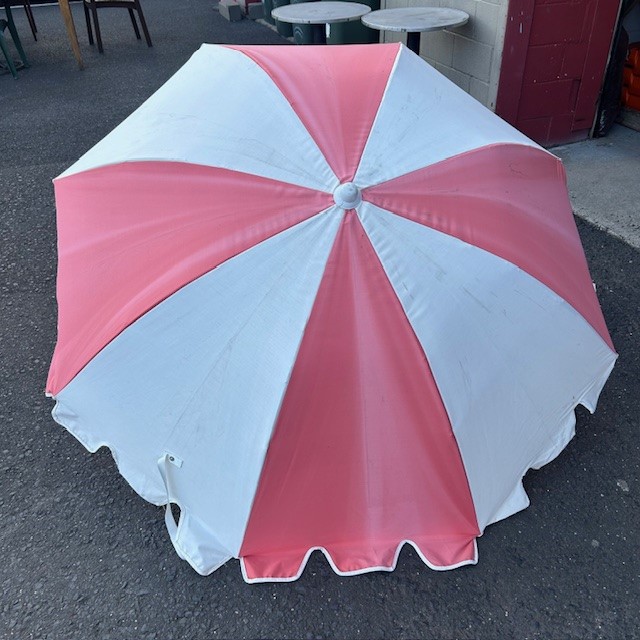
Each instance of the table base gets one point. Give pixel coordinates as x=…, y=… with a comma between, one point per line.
x=413, y=41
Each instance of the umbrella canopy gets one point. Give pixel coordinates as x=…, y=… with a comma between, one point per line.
x=321, y=298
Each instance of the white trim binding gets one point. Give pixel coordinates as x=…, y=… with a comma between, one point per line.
x=358, y=572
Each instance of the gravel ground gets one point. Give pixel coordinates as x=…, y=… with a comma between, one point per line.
x=84, y=557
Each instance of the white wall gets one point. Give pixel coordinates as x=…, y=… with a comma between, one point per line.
x=470, y=55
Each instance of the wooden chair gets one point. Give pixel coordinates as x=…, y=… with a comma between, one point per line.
x=91, y=9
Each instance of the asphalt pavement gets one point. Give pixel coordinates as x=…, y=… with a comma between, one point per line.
x=83, y=557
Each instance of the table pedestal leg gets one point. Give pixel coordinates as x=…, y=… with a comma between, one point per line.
x=319, y=33
x=413, y=41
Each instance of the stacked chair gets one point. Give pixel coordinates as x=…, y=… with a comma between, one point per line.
x=91, y=11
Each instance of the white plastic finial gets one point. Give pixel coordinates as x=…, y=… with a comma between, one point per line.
x=347, y=196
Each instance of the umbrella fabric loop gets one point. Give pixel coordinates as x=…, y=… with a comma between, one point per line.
x=192, y=540
x=172, y=526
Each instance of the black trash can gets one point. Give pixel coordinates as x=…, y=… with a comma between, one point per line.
x=354, y=32
x=284, y=28
x=302, y=33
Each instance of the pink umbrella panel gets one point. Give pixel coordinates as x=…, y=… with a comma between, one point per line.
x=345, y=308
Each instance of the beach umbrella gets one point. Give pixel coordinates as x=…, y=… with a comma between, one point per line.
x=321, y=298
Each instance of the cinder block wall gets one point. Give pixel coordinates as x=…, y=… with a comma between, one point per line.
x=470, y=55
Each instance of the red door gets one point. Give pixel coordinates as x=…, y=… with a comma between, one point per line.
x=553, y=64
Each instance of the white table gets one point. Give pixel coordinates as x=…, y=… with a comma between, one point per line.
x=414, y=21
x=320, y=14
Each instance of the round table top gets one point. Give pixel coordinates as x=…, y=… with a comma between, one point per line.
x=415, y=19
x=323, y=12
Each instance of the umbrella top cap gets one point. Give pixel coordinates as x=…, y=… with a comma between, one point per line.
x=347, y=195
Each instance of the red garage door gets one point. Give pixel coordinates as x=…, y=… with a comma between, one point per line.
x=553, y=64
